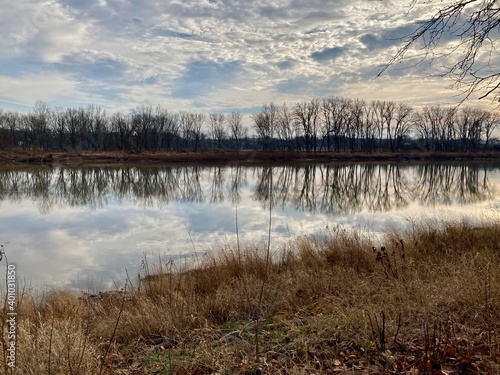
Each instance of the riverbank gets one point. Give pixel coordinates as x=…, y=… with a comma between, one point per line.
x=212, y=157
x=424, y=300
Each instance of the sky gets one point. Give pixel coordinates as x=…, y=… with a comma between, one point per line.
x=209, y=55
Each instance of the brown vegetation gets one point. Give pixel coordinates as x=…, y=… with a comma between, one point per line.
x=102, y=157
x=427, y=301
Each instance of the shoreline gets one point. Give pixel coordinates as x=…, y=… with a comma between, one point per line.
x=37, y=157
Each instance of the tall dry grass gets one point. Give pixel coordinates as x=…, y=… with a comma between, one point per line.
x=427, y=299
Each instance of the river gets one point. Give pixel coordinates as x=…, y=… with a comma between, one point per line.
x=85, y=228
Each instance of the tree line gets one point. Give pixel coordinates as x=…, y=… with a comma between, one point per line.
x=330, y=124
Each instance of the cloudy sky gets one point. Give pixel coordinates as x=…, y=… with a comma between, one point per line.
x=207, y=55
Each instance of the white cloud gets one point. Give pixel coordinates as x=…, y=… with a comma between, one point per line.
x=52, y=87
x=123, y=53
x=40, y=32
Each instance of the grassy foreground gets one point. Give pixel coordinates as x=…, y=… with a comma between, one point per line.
x=427, y=302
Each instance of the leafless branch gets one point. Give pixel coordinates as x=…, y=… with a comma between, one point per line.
x=465, y=30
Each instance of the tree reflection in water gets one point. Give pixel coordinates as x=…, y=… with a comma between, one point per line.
x=325, y=188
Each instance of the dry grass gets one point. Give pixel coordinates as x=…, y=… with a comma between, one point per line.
x=427, y=301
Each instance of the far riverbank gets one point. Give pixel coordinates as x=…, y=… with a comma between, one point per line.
x=212, y=157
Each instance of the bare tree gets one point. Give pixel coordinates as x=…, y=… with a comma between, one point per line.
x=163, y=123
x=358, y=123
x=143, y=122
x=186, y=127
x=387, y=115
x=71, y=118
x=4, y=133
x=369, y=129
x=124, y=130
x=100, y=125
x=491, y=122
x=470, y=123
x=38, y=125
x=449, y=131
x=402, y=124
x=171, y=129
x=85, y=125
x=335, y=121
x=238, y=131
x=288, y=131
x=424, y=127
x=435, y=124
x=58, y=126
x=473, y=24
x=307, y=115
x=265, y=123
x=379, y=116
x=198, y=134
x=12, y=124
x=191, y=125
x=216, y=122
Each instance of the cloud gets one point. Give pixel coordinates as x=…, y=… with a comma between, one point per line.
x=387, y=38
x=39, y=33
x=198, y=54
x=328, y=54
x=29, y=88
x=203, y=76
x=168, y=33
x=287, y=64
x=93, y=65
x=300, y=86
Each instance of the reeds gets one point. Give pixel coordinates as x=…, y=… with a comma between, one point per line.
x=428, y=300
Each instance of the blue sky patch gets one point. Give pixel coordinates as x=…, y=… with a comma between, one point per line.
x=328, y=54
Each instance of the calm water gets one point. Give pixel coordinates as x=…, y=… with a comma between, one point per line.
x=83, y=228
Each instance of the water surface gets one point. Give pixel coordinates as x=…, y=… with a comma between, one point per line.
x=84, y=227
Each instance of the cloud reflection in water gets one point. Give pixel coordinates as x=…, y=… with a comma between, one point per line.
x=82, y=227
